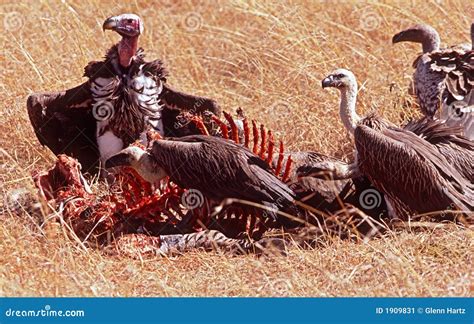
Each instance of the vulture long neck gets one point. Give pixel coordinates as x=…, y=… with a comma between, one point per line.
x=472, y=35
x=347, y=107
x=127, y=48
x=430, y=40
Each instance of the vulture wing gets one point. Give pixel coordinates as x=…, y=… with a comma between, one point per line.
x=449, y=141
x=63, y=122
x=175, y=102
x=415, y=173
x=443, y=76
x=458, y=66
x=221, y=169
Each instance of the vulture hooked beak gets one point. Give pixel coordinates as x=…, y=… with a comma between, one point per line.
x=328, y=82
x=110, y=23
x=399, y=37
x=127, y=25
x=119, y=159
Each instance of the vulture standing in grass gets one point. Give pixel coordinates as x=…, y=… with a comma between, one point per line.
x=122, y=98
x=422, y=168
x=443, y=77
x=218, y=168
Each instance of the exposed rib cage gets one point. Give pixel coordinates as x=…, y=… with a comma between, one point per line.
x=131, y=205
x=257, y=139
x=234, y=221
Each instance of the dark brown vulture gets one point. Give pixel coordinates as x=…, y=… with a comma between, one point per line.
x=330, y=195
x=217, y=167
x=418, y=168
x=442, y=77
x=122, y=98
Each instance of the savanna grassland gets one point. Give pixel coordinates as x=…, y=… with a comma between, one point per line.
x=269, y=58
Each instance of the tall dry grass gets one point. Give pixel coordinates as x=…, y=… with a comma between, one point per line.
x=267, y=58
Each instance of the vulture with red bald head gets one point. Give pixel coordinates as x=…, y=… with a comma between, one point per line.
x=123, y=97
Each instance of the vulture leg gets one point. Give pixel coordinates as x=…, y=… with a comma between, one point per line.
x=63, y=122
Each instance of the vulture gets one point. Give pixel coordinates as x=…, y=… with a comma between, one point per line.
x=443, y=77
x=124, y=96
x=218, y=168
x=325, y=193
x=418, y=168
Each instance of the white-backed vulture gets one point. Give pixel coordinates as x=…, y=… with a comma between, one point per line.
x=425, y=167
x=217, y=167
x=443, y=78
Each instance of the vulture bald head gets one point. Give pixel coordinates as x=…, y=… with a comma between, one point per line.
x=139, y=159
x=426, y=35
x=340, y=79
x=130, y=27
x=346, y=82
x=127, y=25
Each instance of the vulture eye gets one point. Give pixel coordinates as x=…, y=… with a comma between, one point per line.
x=340, y=76
x=129, y=21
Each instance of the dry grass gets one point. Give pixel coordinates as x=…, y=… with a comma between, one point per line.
x=269, y=59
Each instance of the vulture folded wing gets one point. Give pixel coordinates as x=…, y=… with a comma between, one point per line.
x=175, y=102
x=263, y=180
x=449, y=141
x=63, y=122
x=458, y=66
x=411, y=170
x=174, y=99
x=220, y=169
